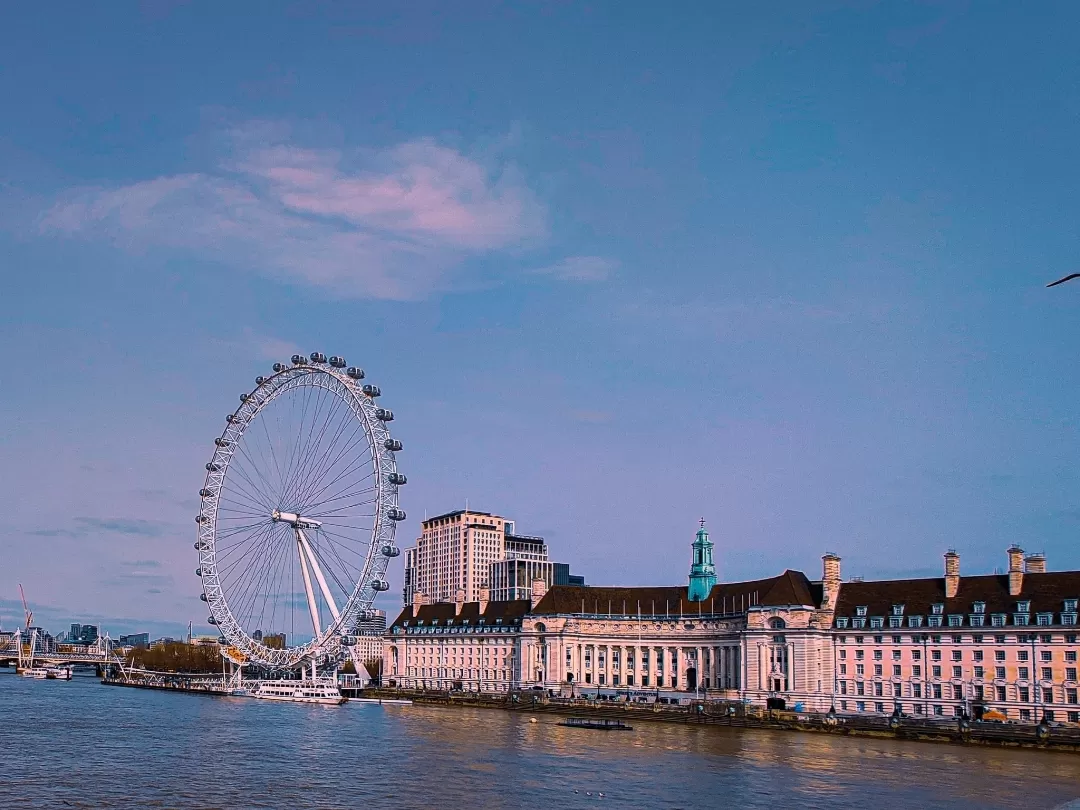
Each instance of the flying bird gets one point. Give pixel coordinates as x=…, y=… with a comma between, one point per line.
x=1063, y=280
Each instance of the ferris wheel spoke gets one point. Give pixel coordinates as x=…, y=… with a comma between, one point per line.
x=309, y=474
x=347, y=447
x=294, y=451
x=344, y=482
x=272, y=591
x=317, y=468
x=306, y=457
x=346, y=510
x=345, y=491
x=342, y=452
x=244, y=487
x=259, y=483
x=261, y=588
x=250, y=545
x=245, y=585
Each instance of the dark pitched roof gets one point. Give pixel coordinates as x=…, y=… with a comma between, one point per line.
x=443, y=613
x=789, y=588
x=1046, y=592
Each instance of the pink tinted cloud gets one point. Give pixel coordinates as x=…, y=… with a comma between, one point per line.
x=393, y=226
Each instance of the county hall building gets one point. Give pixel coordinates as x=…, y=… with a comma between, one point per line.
x=948, y=646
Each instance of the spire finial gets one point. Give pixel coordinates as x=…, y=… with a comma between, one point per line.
x=703, y=523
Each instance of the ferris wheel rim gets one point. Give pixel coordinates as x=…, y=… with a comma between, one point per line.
x=361, y=401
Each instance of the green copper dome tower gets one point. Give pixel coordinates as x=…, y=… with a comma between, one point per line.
x=702, y=572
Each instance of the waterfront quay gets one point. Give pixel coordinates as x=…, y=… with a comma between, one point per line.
x=1062, y=737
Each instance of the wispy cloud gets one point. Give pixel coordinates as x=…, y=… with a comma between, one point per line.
x=580, y=268
x=380, y=224
x=87, y=525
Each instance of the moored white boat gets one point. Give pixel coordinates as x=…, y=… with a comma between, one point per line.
x=305, y=691
x=58, y=673
x=39, y=673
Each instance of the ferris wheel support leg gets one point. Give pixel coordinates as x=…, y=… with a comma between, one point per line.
x=318, y=574
x=312, y=605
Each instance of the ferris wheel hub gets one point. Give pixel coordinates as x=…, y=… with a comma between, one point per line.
x=294, y=520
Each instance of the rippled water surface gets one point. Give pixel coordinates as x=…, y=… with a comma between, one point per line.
x=80, y=744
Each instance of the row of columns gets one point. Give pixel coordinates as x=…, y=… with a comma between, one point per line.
x=717, y=667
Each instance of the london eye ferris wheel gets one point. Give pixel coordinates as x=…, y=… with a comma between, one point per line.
x=298, y=513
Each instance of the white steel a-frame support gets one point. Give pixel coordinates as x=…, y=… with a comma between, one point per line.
x=318, y=573
x=309, y=564
x=312, y=605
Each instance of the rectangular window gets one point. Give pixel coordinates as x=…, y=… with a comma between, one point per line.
x=860, y=610
x=958, y=692
x=896, y=670
x=896, y=621
x=877, y=670
x=1047, y=674
x=936, y=671
x=1070, y=673
x=1025, y=714
x=860, y=669
x=956, y=672
x=978, y=655
x=999, y=672
x=843, y=654
x=1074, y=717
x=938, y=608
x=1025, y=694
x=1070, y=696
x=957, y=655
x=938, y=710
x=860, y=706
x=1000, y=693
x=1044, y=619
x=937, y=691
x=841, y=622
x=1022, y=673
x=895, y=655
x=956, y=621
x=979, y=672
x=1046, y=655
x=877, y=655
x=916, y=671
x=1021, y=655
x=935, y=655
x=843, y=687
x=843, y=669
x=876, y=622
x=1020, y=619
x=860, y=654
x=1048, y=695
x=998, y=620
x=934, y=621
x=918, y=707
x=645, y=679
x=916, y=690
x=877, y=689
x=859, y=687
x=1070, y=605
x=914, y=621
x=1070, y=656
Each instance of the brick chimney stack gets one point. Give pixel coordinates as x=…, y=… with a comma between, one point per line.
x=1035, y=563
x=459, y=601
x=830, y=579
x=1016, y=570
x=952, y=573
x=485, y=597
x=417, y=600
x=539, y=588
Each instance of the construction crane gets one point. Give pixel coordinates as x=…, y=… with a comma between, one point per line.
x=29, y=613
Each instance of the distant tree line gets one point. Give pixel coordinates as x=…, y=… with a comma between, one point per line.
x=178, y=657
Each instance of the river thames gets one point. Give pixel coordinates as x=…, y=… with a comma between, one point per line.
x=80, y=744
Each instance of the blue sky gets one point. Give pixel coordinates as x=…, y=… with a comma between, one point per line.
x=614, y=269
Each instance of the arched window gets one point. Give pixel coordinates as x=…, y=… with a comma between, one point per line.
x=777, y=624
x=540, y=627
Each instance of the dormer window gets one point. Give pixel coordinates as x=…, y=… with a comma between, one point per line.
x=937, y=608
x=860, y=610
x=897, y=610
x=955, y=620
x=841, y=622
x=1070, y=605
x=998, y=620
x=1045, y=619
x=1023, y=606
x=978, y=607
x=914, y=621
x=876, y=622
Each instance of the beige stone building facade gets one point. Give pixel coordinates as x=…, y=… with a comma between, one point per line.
x=950, y=646
x=454, y=551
